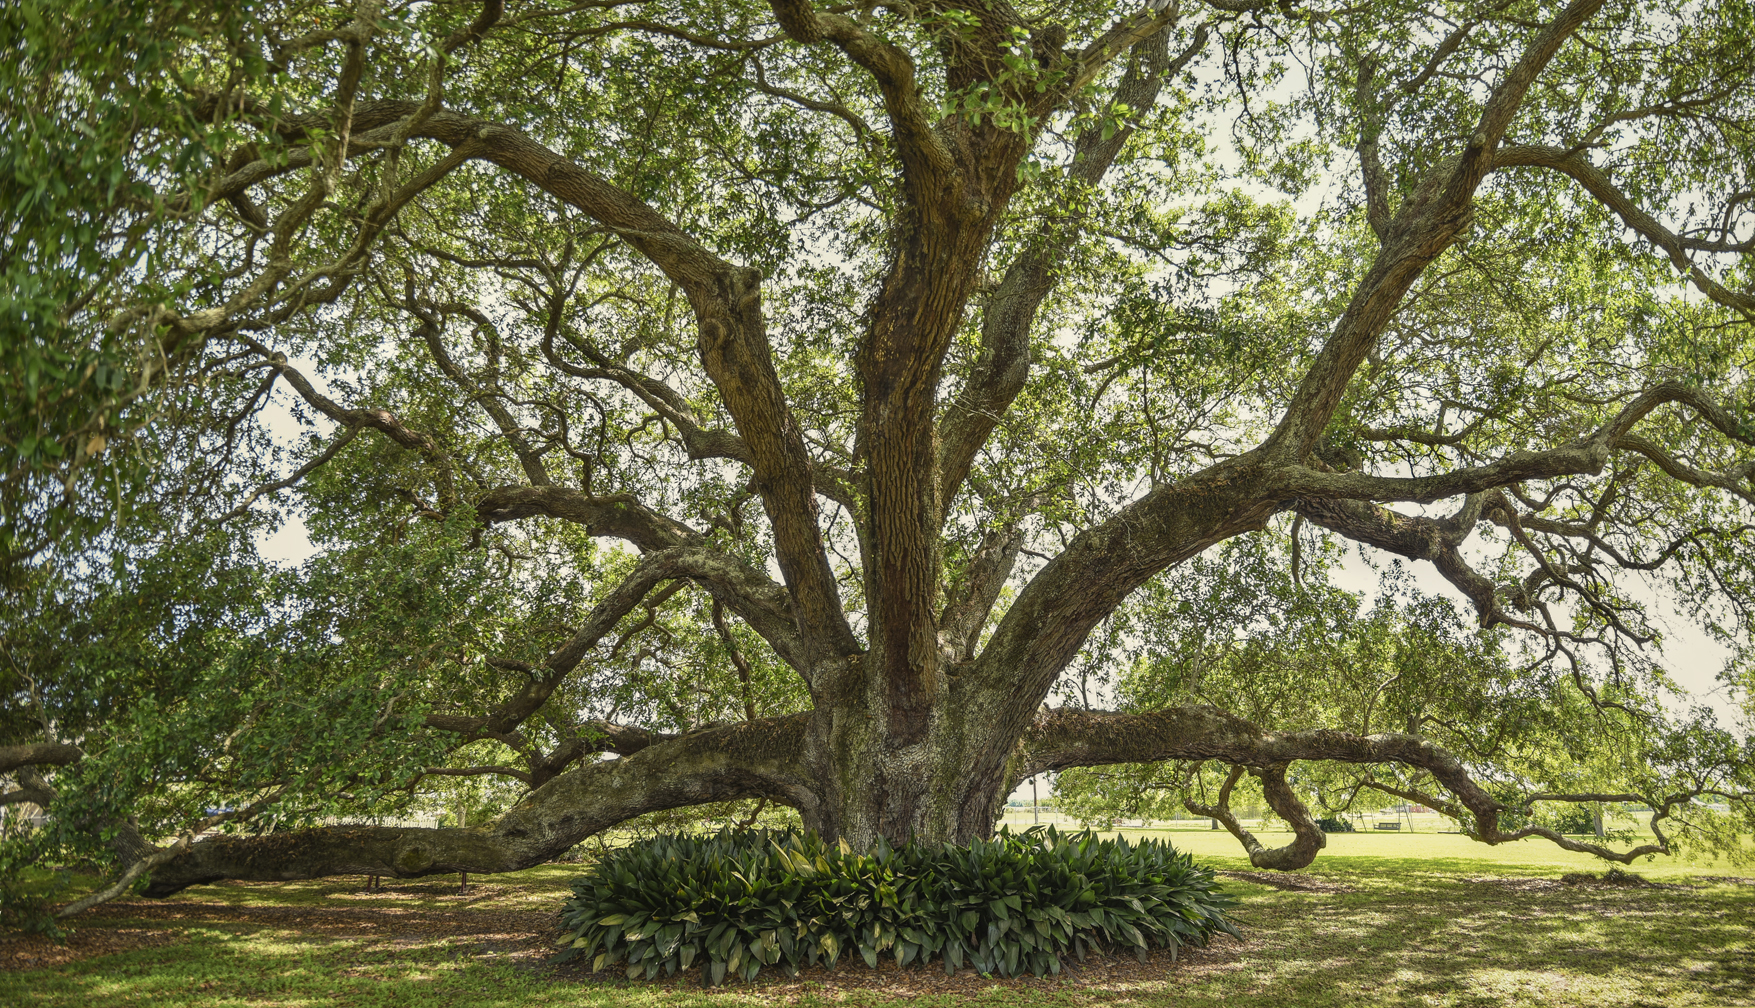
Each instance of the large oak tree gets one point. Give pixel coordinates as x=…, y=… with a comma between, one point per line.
x=785, y=399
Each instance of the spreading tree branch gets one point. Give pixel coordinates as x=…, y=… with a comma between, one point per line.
x=1307, y=838
x=758, y=759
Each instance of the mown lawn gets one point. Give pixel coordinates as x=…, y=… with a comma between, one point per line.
x=1380, y=920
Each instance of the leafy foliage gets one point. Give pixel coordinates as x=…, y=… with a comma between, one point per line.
x=105, y=145
x=1236, y=631
x=249, y=276
x=735, y=902
x=213, y=692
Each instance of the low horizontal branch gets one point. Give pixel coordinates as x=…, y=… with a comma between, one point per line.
x=757, y=759
x=1064, y=738
x=39, y=754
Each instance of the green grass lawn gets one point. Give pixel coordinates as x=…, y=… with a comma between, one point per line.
x=1434, y=852
x=1379, y=920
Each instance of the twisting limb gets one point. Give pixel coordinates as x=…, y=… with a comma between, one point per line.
x=1119, y=38
x=737, y=659
x=620, y=516
x=516, y=774
x=1418, y=797
x=1661, y=810
x=701, y=442
x=1738, y=479
x=542, y=682
x=925, y=156
x=131, y=849
x=1576, y=166
x=292, y=479
x=861, y=128
x=1307, y=839
x=1372, y=98
x=748, y=592
x=1588, y=454
x=274, y=291
x=588, y=738
x=1065, y=737
x=1341, y=509
x=1547, y=572
x=492, y=398
x=1434, y=540
x=732, y=341
x=125, y=880
x=39, y=754
x=1052, y=616
x=1426, y=224
x=1370, y=162
x=970, y=601
x=585, y=739
x=475, y=31
x=376, y=419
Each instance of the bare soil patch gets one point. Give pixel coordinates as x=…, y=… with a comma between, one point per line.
x=1617, y=879
x=520, y=936
x=525, y=939
x=1574, y=881
x=1290, y=883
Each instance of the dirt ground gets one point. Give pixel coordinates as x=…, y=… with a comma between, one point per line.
x=524, y=939
x=446, y=924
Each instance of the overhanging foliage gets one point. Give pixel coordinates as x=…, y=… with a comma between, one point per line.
x=811, y=406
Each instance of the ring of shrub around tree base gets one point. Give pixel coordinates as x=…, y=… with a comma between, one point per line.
x=733, y=903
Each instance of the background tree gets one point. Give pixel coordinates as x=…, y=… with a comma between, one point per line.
x=787, y=399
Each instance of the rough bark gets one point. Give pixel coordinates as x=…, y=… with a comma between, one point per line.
x=39, y=754
x=921, y=730
x=753, y=760
x=1307, y=839
x=1068, y=738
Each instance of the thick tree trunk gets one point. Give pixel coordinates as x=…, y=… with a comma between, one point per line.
x=947, y=786
x=818, y=764
x=931, y=791
x=915, y=732
x=926, y=795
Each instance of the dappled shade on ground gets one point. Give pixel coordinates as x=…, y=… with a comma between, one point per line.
x=1378, y=929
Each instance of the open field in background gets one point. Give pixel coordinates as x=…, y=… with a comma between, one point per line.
x=1421, y=822
x=1439, y=853
x=1380, y=919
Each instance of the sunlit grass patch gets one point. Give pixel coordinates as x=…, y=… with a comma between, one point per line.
x=1440, y=854
x=1451, y=931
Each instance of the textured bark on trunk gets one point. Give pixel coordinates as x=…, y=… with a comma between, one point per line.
x=930, y=792
x=914, y=733
x=947, y=785
x=926, y=793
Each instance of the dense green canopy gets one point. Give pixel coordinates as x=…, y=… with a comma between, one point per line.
x=831, y=407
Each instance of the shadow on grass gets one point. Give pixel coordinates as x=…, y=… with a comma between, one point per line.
x=1413, y=932
x=1420, y=938
x=215, y=966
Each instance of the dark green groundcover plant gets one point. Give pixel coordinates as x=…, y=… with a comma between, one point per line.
x=816, y=405
x=735, y=902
